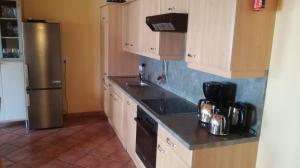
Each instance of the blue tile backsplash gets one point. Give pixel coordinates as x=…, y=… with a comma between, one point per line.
x=187, y=83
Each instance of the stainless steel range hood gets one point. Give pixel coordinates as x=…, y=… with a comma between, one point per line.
x=171, y=22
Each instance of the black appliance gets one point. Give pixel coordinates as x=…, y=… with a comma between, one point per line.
x=171, y=22
x=166, y=106
x=238, y=116
x=228, y=94
x=218, y=95
x=146, y=138
x=213, y=92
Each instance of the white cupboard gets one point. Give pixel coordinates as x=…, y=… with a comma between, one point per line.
x=13, y=92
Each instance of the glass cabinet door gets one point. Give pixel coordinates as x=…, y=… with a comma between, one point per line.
x=9, y=29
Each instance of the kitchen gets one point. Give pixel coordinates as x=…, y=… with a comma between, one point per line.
x=174, y=74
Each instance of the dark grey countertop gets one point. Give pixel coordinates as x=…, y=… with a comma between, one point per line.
x=184, y=127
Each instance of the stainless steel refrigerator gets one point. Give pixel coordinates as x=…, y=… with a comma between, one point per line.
x=44, y=63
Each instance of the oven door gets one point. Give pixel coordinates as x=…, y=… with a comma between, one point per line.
x=146, y=141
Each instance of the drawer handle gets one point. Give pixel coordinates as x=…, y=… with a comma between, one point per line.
x=170, y=143
x=159, y=148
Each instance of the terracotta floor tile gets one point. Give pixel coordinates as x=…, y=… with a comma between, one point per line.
x=111, y=164
x=6, y=149
x=71, y=156
x=56, y=164
x=119, y=155
x=84, y=142
x=7, y=138
x=89, y=161
x=7, y=163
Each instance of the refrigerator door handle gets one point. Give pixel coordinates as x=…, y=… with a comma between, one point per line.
x=56, y=83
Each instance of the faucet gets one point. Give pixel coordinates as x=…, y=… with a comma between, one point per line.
x=142, y=74
x=162, y=79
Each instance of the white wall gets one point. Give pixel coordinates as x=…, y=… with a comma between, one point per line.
x=280, y=137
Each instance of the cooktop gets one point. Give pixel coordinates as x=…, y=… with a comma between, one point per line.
x=170, y=106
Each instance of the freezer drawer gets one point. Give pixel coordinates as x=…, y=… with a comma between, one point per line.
x=46, y=109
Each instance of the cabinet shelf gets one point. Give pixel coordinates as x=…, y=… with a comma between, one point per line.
x=8, y=18
x=10, y=37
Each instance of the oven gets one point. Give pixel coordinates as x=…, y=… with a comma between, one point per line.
x=146, y=138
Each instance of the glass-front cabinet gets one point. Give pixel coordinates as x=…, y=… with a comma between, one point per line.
x=10, y=30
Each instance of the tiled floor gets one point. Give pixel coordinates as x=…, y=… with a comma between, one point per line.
x=83, y=142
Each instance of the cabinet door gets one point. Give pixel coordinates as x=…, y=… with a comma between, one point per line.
x=125, y=28
x=107, y=101
x=105, y=47
x=105, y=13
x=193, y=34
x=165, y=157
x=149, y=39
x=174, y=6
x=133, y=27
x=13, y=92
x=210, y=32
x=131, y=126
x=117, y=106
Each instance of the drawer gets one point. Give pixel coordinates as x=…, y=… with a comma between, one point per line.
x=183, y=152
x=115, y=89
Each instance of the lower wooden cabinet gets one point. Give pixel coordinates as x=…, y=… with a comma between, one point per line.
x=172, y=153
x=166, y=157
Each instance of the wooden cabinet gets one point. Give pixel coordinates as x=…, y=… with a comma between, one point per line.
x=13, y=105
x=115, y=62
x=117, y=111
x=172, y=153
x=149, y=39
x=173, y=6
x=131, y=26
x=165, y=157
x=229, y=39
x=107, y=101
x=130, y=128
x=158, y=45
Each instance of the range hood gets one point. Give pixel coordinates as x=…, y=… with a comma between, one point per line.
x=171, y=22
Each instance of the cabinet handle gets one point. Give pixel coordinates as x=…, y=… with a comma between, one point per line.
x=170, y=9
x=159, y=148
x=128, y=103
x=131, y=45
x=103, y=18
x=170, y=143
x=153, y=49
x=126, y=44
x=191, y=55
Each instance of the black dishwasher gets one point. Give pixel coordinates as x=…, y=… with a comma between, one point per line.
x=146, y=138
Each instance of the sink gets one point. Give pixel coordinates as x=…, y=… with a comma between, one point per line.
x=138, y=84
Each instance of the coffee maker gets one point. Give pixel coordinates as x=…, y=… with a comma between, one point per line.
x=220, y=95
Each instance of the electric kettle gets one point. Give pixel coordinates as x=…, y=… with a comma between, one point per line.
x=219, y=123
x=206, y=110
x=238, y=117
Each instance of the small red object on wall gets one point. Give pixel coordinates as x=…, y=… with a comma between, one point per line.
x=258, y=5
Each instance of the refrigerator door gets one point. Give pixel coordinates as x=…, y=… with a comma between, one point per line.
x=46, y=109
x=42, y=51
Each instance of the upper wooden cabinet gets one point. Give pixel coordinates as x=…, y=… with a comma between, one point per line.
x=229, y=39
x=131, y=26
x=115, y=61
x=157, y=45
x=174, y=6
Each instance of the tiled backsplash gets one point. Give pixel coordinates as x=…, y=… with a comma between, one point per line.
x=187, y=83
